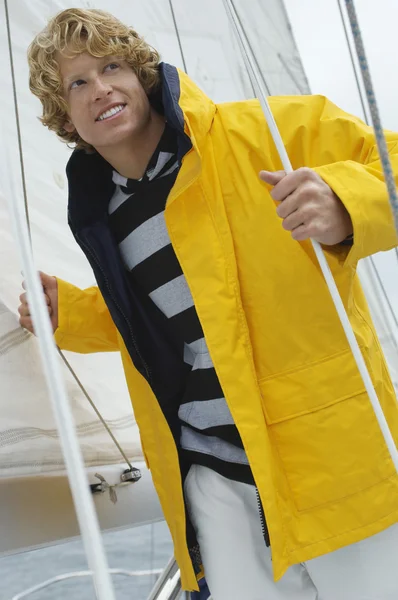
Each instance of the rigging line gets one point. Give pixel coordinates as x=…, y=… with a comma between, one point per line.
x=14, y=92
x=326, y=271
x=252, y=52
x=354, y=66
x=362, y=100
x=25, y=196
x=374, y=110
x=178, y=36
x=97, y=412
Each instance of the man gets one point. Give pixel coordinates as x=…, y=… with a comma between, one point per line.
x=251, y=409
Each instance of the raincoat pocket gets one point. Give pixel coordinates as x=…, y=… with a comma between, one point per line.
x=324, y=431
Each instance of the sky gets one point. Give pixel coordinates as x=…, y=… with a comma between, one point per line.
x=321, y=42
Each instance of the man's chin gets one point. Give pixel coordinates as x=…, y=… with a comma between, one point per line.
x=112, y=142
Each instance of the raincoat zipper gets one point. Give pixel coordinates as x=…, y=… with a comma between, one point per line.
x=264, y=528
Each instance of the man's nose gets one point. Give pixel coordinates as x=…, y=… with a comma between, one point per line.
x=101, y=89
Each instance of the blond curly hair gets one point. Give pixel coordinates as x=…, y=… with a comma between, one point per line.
x=77, y=30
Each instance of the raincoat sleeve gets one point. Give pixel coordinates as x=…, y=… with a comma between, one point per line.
x=343, y=151
x=84, y=322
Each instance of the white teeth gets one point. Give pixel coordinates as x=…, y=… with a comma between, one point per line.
x=110, y=112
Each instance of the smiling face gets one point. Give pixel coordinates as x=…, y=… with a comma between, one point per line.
x=107, y=104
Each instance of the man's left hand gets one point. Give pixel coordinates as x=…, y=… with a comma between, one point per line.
x=308, y=206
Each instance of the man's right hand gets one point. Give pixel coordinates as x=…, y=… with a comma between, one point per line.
x=50, y=290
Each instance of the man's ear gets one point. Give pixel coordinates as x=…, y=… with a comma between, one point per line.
x=69, y=127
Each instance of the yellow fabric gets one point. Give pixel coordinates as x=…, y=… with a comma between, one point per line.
x=324, y=474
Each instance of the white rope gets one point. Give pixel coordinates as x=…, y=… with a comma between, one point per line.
x=79, y=484
x=77, y=574
x=256, y=80
x=83, y=501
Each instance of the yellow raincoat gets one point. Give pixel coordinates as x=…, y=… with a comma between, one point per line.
x=318, y=457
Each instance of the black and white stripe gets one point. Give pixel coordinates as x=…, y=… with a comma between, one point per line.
x=136, y=217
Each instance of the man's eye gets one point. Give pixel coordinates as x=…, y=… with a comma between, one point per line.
x=112, y=66
x=77, y=83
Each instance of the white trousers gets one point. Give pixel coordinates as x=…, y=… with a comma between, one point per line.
x=238, y=565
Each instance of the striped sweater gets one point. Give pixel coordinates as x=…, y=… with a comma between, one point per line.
x=136, y=217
